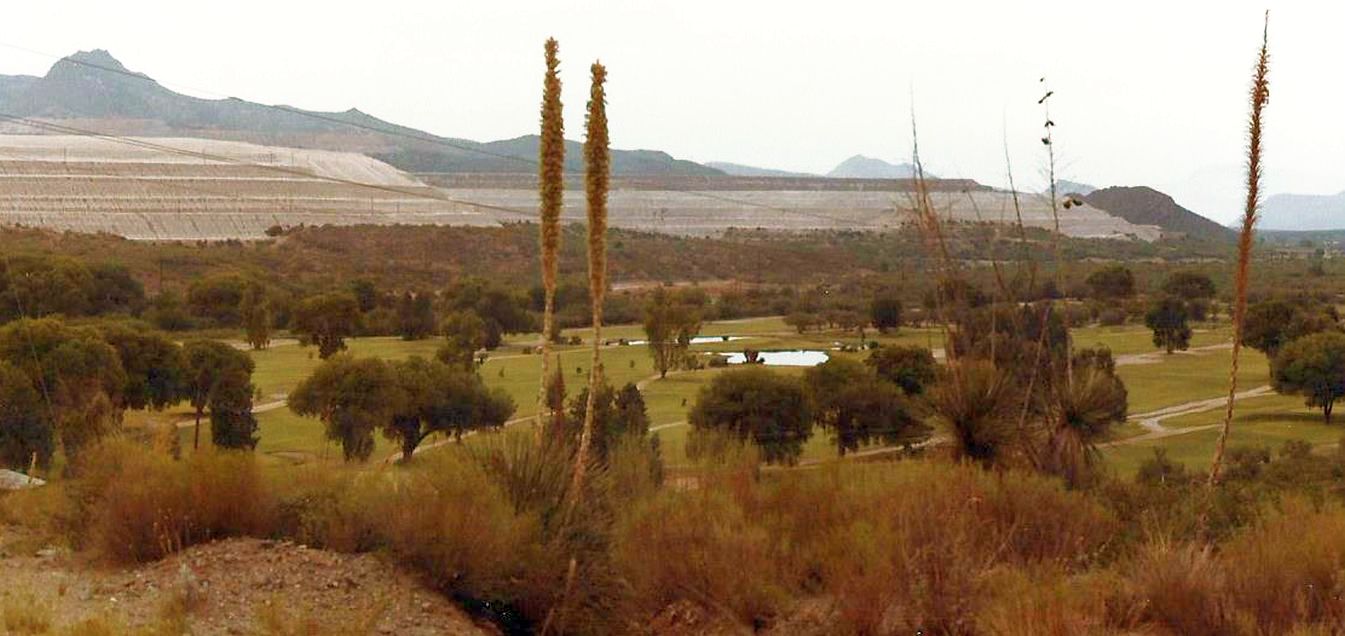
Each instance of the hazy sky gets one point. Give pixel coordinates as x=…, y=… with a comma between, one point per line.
x=1146, y=92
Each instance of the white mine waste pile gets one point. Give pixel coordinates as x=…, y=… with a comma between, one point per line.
x=201, y=189
x=191, y=189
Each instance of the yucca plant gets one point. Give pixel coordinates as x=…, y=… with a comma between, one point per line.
x=1259, y=97
x=597, y=168
x=551, y=191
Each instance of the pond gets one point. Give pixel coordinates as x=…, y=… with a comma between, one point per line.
x=699, y=340
x=794, y=358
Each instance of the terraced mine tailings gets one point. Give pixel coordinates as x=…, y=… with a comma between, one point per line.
x=179, y=188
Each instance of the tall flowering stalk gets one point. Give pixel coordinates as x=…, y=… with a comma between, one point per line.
x=1259, y=97
x=597, y=170
x=551, y=190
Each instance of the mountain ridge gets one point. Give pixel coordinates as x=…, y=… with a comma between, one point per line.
x=1143, y=205
x=99, y=91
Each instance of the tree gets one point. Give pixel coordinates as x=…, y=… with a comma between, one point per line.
x=415, y=315
x=1168, y=319
x=438, y=398
x=26, y=434
x=156, y=371
x=217, y=298
x=803, y=321
x=910, y=367
x=75, y=369
x=327, y=320
x=1273, y=323
x=255, y=311
x=1189, y=286
x=1312, y=366
x=465, y=334
x=213, y=368
x=859, y=407
x=353, y=397
x=758, y=405
x=168, y=312
x=885, y=312
x=617, y=414
x=1112, y=282
x=37, y=286
x=232, y=424
x=365, y=293
x=669, y=326
x=115, y=290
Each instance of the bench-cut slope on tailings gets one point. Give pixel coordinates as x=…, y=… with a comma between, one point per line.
x=205, y=189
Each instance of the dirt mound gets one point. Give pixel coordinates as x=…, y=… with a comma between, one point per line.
x=240, y=586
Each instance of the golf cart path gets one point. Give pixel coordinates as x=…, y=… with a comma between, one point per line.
x=1156, y=357
x=1153, y=421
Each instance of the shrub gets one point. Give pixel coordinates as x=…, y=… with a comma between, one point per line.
x=142, y=506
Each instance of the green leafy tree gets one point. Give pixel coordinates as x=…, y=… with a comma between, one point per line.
x=26, y=434
x=802, y=321
x=441, y=399
x=1168, y=318
x=885, y=312
x=156, y=370
x=669, y=326
x=255, y=311
x=353, y=397
x=327, y=320
x=1273, y=323
x=1312, y=366
x=168, y=312
x=232, y=424
x=415, y=315
x=365, y=293
x=72, y=367
x=1189, y=286
x=758, y=405
x=217, y=299
x=38, y=286
x=1115, y=281
x=910, y=367
x=616, y=415
x=115, y=290
x=859, y=408
x=213, y=368
x=464, y=334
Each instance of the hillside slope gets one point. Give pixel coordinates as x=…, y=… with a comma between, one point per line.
x=862, y=167
x=1300, y=212
x=1145, y=206
x=97, y=92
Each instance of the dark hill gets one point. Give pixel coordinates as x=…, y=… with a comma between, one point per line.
x=1146, y=206
x=96, y=89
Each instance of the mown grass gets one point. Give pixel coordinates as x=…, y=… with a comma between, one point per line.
x=1267, y=421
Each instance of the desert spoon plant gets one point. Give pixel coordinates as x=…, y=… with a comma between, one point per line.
x=596, y=173
x=551, y=190
x=1260, y=95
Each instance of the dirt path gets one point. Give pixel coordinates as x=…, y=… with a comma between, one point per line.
x=1156, y=357
x=1153, y=421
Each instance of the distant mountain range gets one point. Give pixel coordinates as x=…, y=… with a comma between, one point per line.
x=99, y=93
x=862, y=167
x=1301, y=212
x=740, y=170
x=1146, y=206
x=1065, y=186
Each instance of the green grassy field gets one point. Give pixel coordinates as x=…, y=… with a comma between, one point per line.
x=1161, y=381
x=1268, y=421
